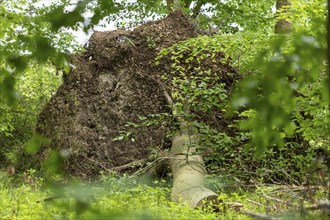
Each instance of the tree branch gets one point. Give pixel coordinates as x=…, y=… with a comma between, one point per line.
x=173, y=5
x=197, y=9
x=258, y=215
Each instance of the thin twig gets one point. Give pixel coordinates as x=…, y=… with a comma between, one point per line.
x=49, y=198
x=129, y=165
x=253, y=202
x=144, y=169
x=97, y=163
x=258, y=215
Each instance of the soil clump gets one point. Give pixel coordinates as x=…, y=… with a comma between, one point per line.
x=115, y=81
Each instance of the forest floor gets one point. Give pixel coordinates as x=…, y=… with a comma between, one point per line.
x=124, y=197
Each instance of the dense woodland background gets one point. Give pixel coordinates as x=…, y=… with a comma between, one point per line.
x=273, y=156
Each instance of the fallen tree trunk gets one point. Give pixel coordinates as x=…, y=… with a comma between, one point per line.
x=188, y=173
x=187, y=165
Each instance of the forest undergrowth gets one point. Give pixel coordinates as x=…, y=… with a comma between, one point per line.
x=125, y=197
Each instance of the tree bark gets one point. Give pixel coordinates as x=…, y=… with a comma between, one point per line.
x=187, y=165
x=188, y=171
x=282, y=26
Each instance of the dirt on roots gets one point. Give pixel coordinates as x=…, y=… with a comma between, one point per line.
x=114, y=82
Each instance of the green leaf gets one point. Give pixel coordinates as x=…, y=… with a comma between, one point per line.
x=34, y=144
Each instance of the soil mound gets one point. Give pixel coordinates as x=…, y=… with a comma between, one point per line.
x=115, y=81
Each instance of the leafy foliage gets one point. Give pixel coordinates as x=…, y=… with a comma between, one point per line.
x=282, y=101
x=27, y=36
x=285, y=68
x=34, y=87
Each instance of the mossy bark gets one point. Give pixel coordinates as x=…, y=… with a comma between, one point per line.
x=282, y=26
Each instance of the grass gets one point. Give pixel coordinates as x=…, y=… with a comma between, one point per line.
x=124, y=198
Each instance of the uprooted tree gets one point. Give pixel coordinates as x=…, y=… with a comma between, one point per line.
x=120, y=110
x=133, y=95
x=155, y=95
